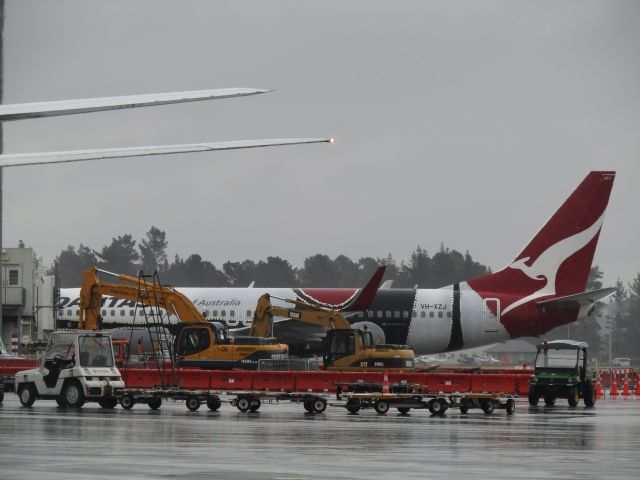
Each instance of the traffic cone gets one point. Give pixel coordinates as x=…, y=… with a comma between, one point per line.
x=14, y=343
x=625, y=389
x=385, y=384
x=614, y=385
x=598, y=385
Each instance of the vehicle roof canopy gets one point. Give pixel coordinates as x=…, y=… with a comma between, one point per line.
x=563, y=345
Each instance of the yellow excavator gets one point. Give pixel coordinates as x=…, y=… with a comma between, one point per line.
x=198, y=343
x=345, y=348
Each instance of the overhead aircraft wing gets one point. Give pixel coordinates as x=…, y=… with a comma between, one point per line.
x=20, y=159
x=21, y=111
x=578, y=300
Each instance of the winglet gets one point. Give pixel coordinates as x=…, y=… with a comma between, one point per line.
x=365, y=297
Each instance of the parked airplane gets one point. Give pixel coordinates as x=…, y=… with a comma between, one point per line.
x=542, y=288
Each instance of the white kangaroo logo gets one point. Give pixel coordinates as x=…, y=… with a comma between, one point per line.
x=546, y=266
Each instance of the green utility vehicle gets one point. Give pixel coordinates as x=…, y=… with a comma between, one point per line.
x=561, y=372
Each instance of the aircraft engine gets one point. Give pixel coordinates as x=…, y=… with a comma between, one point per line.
x=376, y=332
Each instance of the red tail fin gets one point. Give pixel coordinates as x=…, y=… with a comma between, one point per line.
x=365, y=297
x=558, y=259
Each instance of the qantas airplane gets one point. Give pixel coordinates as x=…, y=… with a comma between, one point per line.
x=541, y=288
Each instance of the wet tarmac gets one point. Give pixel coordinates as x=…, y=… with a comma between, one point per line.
x=284, y=442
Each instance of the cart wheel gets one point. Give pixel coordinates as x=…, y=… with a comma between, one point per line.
x=573, y=396
x=308, y=404
x=255, y=405
x=533, y=397
x=435, y=406
x=403, y=410
x=488, y=406
x=319, y=405
x=193, y=403
x=27, y=394
x=154, y=403
x=549, y=400
x=214, y=404
x=108, y=402
x=127, y=402
x=243, y=404
x=511, y=406
x=353, y=405
x=464, y=407
x=381, y=406
x=60, y=401
x=589, y=394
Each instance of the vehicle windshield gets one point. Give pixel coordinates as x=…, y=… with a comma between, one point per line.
x=95, y=351
x=550, y=358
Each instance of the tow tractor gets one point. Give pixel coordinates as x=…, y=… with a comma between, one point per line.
x=561, y=372
x=76, y=367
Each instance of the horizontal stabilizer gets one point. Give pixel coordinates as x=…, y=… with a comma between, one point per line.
x=19, y=159
x=578, y=300
x=21, y=111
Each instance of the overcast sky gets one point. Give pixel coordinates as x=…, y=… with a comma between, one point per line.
x=463, y=122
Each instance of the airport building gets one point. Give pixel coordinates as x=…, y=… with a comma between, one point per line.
x=27, y=299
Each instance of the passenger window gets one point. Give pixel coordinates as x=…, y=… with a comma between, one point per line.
x=113, y=313
x=104, y=313
x=206, y=313
x=223, y=313
x=439, y=314
x=379, y=313
x=405, y=314
x=77, y=313
x=69, y=312
x=396, y=314
x=423, y=314
x=431, y=315
x=232, y=313
x=131, y=313
x=248, y=313
x=122, y=313
x=215, y=313
x=388, y=315
x=61, y=312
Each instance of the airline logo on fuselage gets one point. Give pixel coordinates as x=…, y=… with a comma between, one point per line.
x=115, y=302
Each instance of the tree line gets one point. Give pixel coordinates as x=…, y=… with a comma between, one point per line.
x=125, y=255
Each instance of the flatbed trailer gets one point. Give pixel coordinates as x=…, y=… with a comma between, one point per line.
x=436, y=402
x=243, y=400
x=153, y=397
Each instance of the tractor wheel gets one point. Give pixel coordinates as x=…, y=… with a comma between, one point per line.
x=488, y=406
x=73, y=394
x=381, y=406
x=572, y=396
x=403, y=410
x=549, y=400
x=589, y=394
x=214, y=404
x=354, y=405
x=27, y=394
x=510, y=407
x=154, y=403
x=107, y=402
x=533, y=397
x=193, y=403
x=243, y=404
x=127, y=402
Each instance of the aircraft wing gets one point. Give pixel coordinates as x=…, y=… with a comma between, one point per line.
x=21, y=111
x=20, y=159
x=578, y=300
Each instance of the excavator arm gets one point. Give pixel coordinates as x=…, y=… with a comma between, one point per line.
x=167, y=298
x=302, y=311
